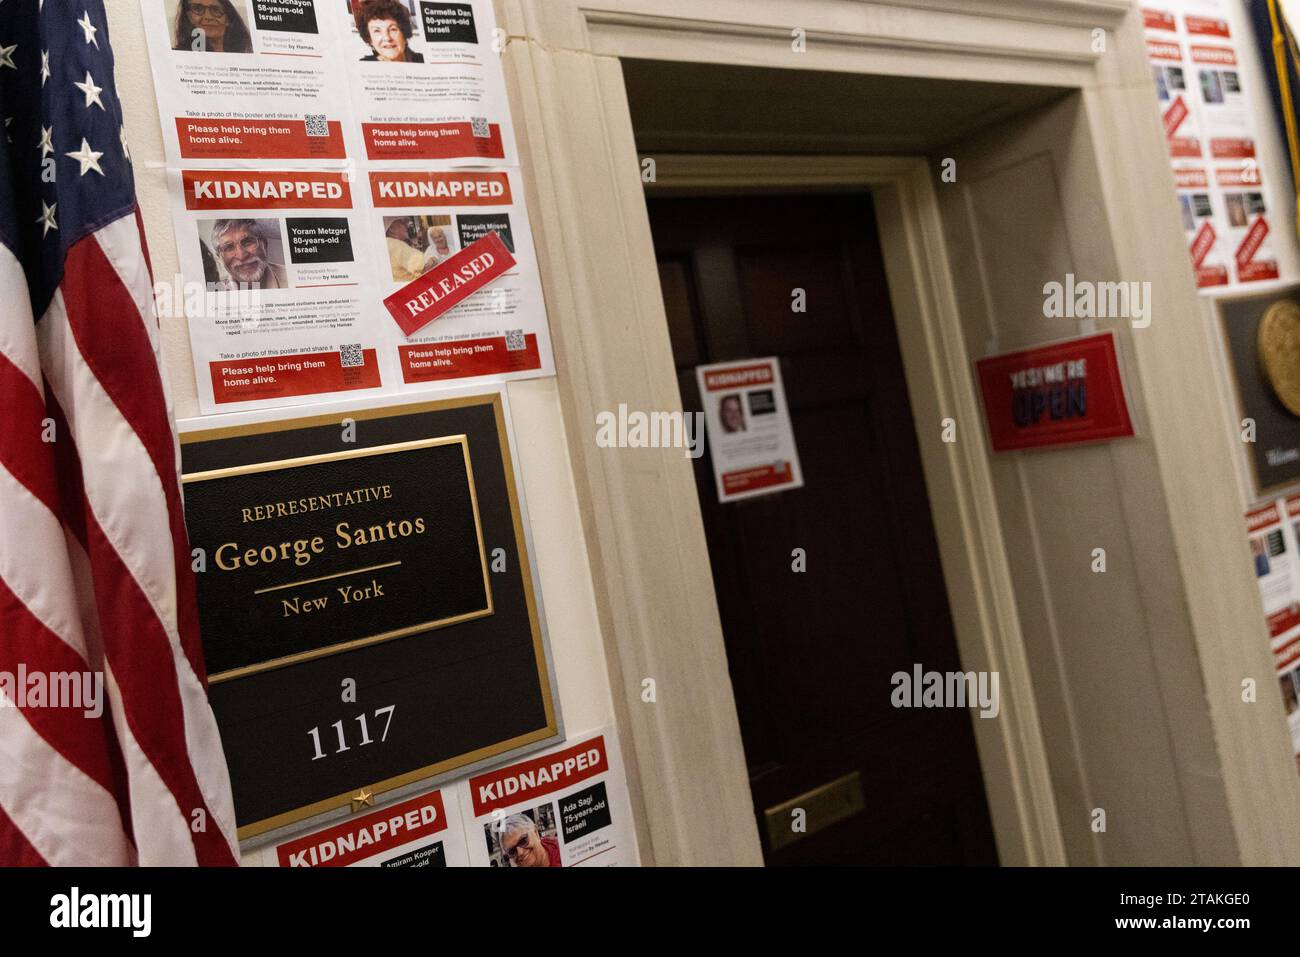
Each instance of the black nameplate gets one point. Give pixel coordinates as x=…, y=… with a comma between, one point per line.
x=316, y=555
x=386, y=556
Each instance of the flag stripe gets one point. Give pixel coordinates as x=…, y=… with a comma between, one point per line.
x=125, y=365
x=42, y=627
x=15, y=849
x=29, y=500
x=32, y=529
x=22, y=450
x=138, y=649
x=79, y=738
x=121, y=485
x=117, y=241
x=165, y=837
x=59, y=809
x=17, y=332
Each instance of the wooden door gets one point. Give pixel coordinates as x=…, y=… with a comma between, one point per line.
x=811, y=653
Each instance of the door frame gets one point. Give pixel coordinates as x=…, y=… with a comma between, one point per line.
x=649, y=560
x=963, y=503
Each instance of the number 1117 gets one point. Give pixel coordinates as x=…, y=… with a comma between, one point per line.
x=314, y=733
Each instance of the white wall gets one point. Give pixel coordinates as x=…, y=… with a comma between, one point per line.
x=541, y=444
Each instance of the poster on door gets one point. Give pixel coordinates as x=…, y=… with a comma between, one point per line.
x=566, y=807
x=747, y=420
x=1210, y=135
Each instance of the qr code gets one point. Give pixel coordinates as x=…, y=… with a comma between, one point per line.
x=350, y=356
x=515, y=340
x=479, y=127
x=317, y=125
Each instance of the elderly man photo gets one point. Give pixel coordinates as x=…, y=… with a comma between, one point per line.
x=522, y=846
x=241, y=247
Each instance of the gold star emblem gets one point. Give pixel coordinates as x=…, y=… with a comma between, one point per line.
x=362, y=798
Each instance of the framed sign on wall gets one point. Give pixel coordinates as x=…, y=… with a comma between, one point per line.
x=367, y=599
x=1261, y=336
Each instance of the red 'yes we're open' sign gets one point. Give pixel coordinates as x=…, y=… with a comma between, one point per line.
x=1058, y=394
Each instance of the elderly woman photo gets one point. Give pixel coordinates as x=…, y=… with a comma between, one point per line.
x=210, y=26
x=386, y=26
x=522, y=845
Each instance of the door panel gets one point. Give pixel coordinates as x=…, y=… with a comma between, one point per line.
x=811, y=653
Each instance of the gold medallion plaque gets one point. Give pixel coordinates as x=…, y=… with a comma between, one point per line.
x=1279, y=352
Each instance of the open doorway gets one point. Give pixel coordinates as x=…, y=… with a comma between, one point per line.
x=838, y=775
x=812, y=655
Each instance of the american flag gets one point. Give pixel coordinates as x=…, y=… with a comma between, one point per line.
x=94, y=563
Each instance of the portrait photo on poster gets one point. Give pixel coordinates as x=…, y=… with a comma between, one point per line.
x=417, y=243
x=387, y=28
x=403, y=31
x=526, y=838
x=242, y=254
x=210, y=26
